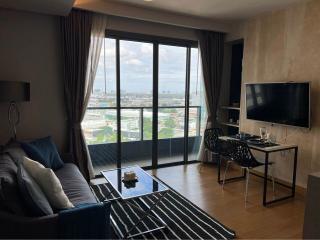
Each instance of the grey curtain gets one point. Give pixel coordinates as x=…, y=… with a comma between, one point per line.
x=212, y=51
x=76, y=34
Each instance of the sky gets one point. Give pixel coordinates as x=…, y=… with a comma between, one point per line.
x=136, y=68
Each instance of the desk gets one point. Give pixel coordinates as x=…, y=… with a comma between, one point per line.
x=267, y=151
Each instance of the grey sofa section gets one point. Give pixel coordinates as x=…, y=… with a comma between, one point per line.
x=19, y=226
x=74, y=185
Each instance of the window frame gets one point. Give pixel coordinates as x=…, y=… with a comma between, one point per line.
x=139, y=37
x=156, y=41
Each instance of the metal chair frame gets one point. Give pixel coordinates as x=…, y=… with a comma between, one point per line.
x=243, y=157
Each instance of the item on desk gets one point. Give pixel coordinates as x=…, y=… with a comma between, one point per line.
x=273, y=139
x=231, y=120
x=238, y=121
x=268, y=137
x=129, y=176
x=245, y=136
x=256, y=141
x=261, y=143
x=242, y=135
x=263, y=133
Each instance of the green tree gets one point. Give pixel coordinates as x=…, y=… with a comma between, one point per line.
x=168, y=110
x=105, y=135
x=147, y=129
x=166, y=133
x=170, y=123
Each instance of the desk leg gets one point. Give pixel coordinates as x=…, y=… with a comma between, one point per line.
x=294, y=171
x=292, y=187
x=219, y=169
x=265, y=184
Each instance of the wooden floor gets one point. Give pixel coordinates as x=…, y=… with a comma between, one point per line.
x=198, y=183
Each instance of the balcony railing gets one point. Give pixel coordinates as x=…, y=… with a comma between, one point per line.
x=137, y=131
x=137, y=135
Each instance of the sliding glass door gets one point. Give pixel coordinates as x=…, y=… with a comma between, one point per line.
x=171, y=104
x=136, y=86
x=146, y=107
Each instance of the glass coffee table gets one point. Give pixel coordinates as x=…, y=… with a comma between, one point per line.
x=144, y=186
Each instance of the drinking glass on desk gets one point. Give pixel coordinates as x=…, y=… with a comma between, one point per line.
x=263, y=133
x=271, y=138
x=268, y=139
x=242, y=135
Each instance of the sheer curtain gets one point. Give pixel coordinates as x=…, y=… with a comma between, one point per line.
x=82, y=36
x=212, y=52
x=99, y=25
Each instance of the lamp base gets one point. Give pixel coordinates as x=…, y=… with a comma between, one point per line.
x=13, y=118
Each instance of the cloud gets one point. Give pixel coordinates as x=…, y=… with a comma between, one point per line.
x=163, y=54
x=134, y=61
x=147, y=49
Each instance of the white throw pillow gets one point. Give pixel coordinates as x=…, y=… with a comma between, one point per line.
x=49, y=184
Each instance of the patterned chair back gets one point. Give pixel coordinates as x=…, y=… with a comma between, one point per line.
x=241, y=154
x=211, y=139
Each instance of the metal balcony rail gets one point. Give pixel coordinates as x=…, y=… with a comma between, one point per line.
x=141, y=112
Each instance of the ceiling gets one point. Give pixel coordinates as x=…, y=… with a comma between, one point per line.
x=208, y=9
x=217, y=15
x=54, y=7
x=212, y=9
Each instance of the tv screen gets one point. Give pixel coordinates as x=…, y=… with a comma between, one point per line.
x=282, y=103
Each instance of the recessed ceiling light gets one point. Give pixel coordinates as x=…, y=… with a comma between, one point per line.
x=148, y=0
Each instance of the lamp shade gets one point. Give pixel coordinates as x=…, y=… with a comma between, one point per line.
x=14, y=91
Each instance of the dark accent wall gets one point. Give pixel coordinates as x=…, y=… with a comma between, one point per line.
x=30, y=51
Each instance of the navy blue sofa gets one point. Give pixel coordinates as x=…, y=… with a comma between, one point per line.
x=89, y=218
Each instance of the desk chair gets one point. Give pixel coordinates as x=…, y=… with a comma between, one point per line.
x=241, y=155
x=211, y=141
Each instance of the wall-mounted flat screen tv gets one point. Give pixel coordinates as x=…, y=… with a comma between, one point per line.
x=280, y=103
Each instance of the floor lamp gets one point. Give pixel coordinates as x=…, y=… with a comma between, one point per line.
x=13, y=92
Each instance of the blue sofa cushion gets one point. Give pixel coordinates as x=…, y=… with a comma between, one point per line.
x=44, y=151
x=86, y=221
x=35, y=199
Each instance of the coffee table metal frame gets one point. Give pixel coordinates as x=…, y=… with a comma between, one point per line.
x=145, y=214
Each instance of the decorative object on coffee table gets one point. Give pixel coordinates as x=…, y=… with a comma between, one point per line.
x=129, y=176
x=129, y=179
